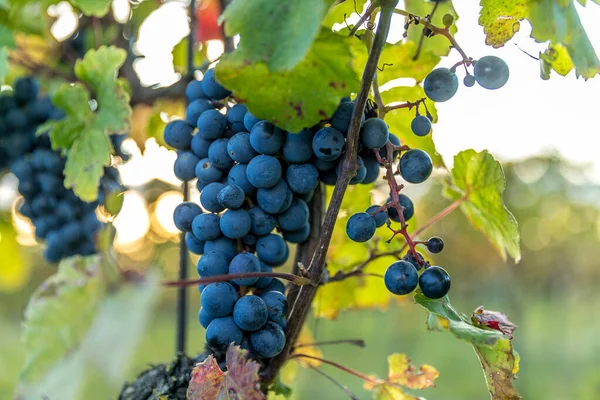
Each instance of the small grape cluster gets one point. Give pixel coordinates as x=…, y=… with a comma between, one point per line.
x=68, y=224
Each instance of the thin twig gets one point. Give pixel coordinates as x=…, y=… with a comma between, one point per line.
x=408, y=105
x=298, y=280
x=336, y=383
x=354, y=342
x=367, y=14
x=351, y=371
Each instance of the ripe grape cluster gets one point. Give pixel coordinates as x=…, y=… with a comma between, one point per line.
x=68, y=224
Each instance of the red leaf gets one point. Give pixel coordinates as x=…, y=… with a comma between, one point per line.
x=494, y=320
x=207, y=14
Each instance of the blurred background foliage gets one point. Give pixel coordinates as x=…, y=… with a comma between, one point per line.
x=552, y=295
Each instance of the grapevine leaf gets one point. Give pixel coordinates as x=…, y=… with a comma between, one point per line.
x=59, y=314
x=479, y=179
x=556, y=58
x=500, y=362
x=97, y=8
x=401, y=374
x=559, y=23
x=14, y=272
x=86, y=160
x=493, y=320
x=99, y=70
x=438, y=44
x=293, y=26
x=342, y=11
x=397, y=62
x=241, y=380
x=4, y=66
x=287, y=100
x=399, y=120
x=7, y=37
x=501, y=20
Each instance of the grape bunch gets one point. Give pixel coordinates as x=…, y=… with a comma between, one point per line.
x=68, y=224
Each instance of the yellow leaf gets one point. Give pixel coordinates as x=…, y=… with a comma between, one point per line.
x=14, y=273
x=403, y=373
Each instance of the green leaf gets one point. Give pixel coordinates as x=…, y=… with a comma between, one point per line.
x=399, y=120
x=438, y=44
x=4, y=66
x=286, y=98
x=97, y=8
x=555, y=58
x=501, y=20
x=241, y=380
x=500, y=362
x=86, y=160
x=342, y=11
x=7, y=37
x=397, y=62
x=479, y=179
x=558, y=22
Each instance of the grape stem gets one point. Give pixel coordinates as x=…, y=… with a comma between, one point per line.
x=351, y=371
x=297, y=280
x=354, y=342
x=300, y=301
x=408, y=104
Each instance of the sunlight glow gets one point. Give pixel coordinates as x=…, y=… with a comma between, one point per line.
x=133, y=222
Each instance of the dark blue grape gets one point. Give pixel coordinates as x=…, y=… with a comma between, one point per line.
x=401, y=278
x=415, y=166
x=211, y=124
x=217, y=153
x=178, y=134
x=235, y=117
x=469, y=81
x=342, y=117
x=491, y=72
x=212, y=88
x=184, y=214
x=193, y=244
x=244, y=263
x=16, y=119
x=323, y=165
x=40, y=109
x=328, y=144
x=235, y=224
x=276, y=199
x=249, y=241
x=250, y=120
x=360, y=227
x=408, y=212
x=329, y=177
x=434, y=282
x=26, y=89
x=221, y=332
x=380, y=217
x=206, y=227
x=396, y=142
x=239, y=148
x=193, y=91
x=185, y=166
x=204, y=318
x=200, y=146
x=297, y=147
x=420, y=125
x=413, y=260
x=264, y=171
x=435, y=244
x=297, y=236
x=375, y=133
x=237, y=176
x=440, y=85
x=231, y=196
x=195, y=109
x=225, y=246
x=250, y=313
x=208, y=197
x=261, y=223
x=219, y=298
x=268, y=341
x=277, y=305
x=271, y=249
x=212, y=263
x=266, y=138
x=373, y=168
x=263, y=282
x=295, y=217
x=302, y=178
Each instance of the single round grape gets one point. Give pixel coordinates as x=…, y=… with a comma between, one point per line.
x=218, y=299
x=237, y=176
x=250, y=313
x=435, y=244
x=212, y=88
x=240, y=149
x=244, y=263
x=178, y=134
x=212, y=263
x=342, y=117
x=380, y=217
x=328, y=144
x=420, y=125
x=193, y=91
x=434, y=282
x=225, y=246
x=250, y=120
x=206, y=227
x=271, y=249
x=26, y=89
x=261, y=223
x=401, y=278
x=469, y=80
x=217, y=153
x=373, y=168
x=277, y=305
x=266, y=138
x=235, y=224
x=491, y=72
x=413, y=260
x=200, y=146
x=360, y=227
x=207, y=171
x=204, y=318
x=297, y=147
x=375, y=133
x=415, y=166
x=235, y=117
x=440, y=85
x=276, y=199
x=268, y=341
x=298, y=236
x=185, y=166
x=294, y=217
x=302, y=178
x=193, y=244
x=264, y=171
x=208, y=197
x=184, y=214
x=195, y=109
x=408, y=208
x=231, y=196
x=448, y=20
x=221, y=332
